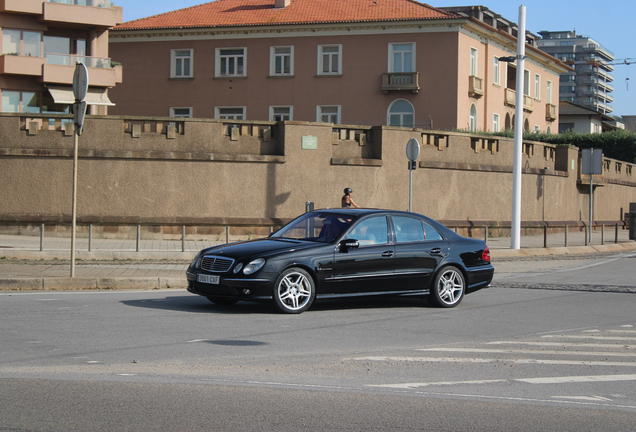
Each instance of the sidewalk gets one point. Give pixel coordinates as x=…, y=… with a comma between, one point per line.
x=115, y=264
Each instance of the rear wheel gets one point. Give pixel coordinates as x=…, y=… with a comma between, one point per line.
x=449, y=287
x=294, y=291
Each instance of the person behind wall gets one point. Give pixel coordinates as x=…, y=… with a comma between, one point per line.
x=347, y=201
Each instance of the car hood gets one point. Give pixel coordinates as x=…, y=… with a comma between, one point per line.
x=261, y=247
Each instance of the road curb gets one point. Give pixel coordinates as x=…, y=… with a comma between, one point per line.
x=92, y=284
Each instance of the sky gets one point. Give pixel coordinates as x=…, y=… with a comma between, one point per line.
x=609, y=22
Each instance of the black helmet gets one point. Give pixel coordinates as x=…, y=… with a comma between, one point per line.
x=347, y=191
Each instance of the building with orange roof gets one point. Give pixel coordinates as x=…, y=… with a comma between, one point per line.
x=368, y=62
x=41, y=42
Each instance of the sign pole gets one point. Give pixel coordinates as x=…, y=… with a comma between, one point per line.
x=80, y=88
x=74, y=215
x=591, y=191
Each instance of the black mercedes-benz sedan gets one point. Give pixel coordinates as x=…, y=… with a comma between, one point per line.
x=337, y=253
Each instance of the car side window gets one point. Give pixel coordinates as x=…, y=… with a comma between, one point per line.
x=370, y=231
x=408, y=229
x=431, y=233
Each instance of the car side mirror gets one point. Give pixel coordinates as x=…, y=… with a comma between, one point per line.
x=348, y=244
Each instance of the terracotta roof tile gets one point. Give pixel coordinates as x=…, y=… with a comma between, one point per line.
x=224, y=13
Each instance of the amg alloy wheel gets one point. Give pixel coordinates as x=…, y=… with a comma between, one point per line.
x=294, y=291
x=449, y=287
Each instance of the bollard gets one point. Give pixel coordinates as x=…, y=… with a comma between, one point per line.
x=138, y=237
x=227, y=234
x=90, y=236
x=486, y=234
x=566, y=236
x=545, y=236
x=182, y=238
x=586, y=231
x=602, y=234
x=41, y=237
x=616, y=233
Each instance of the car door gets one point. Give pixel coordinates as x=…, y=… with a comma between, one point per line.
x=367, y=268
x=419, y=249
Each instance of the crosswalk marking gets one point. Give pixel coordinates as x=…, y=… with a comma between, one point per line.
x=578, y=379
x=494, y=360
x=562, y=344
x=613, y=338
x=526, y=351
x=542, y=380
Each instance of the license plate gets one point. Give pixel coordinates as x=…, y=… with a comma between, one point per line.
x=209, y=279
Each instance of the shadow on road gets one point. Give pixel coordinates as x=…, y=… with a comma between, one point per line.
x=198, y=304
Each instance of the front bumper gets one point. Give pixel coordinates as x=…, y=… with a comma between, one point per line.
x=256, y=289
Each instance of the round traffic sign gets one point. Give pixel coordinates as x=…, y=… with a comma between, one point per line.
x=412, y=149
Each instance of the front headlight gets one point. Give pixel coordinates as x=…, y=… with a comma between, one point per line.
x=254, y=266
x=196, y=262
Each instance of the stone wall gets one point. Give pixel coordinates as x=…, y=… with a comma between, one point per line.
x=203, y=172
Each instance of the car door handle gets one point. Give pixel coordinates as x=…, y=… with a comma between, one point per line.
x=387, y=254
x=436, y=251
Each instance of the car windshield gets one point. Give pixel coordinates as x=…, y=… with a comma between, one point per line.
x=319, y=227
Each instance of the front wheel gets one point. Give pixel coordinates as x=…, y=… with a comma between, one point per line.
x=294, y=291
x=449, y=287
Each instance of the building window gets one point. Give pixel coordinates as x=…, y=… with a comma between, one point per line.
x=16, y=101
x=329, y=59
x=328, y=114
x=280, y=113
x=181, y=112
x=229, y=113
x=549, y=130
x=402, y=114
x=402, y=57
x=472, y=124
x=548, y=96
x=230, y=62
x=67, y=51
x=495, y=122
x=18, y=42
x=537, y=129
x=281, y=61
x=181, y=63
x=526, y=82
x=473, y=62
x=537, y=86
x=496, y=71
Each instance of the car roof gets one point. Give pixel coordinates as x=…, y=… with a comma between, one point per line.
x=362, y=211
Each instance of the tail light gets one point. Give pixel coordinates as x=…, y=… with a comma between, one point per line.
x=486, y=254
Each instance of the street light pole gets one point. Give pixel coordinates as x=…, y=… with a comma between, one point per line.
x=518, y=128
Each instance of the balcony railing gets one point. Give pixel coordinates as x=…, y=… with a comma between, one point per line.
x=550, y=112
x=475, y=86
x=528, y=103
x=71, y=60
x=396, y=81
x=511, y=96
x=94, y=3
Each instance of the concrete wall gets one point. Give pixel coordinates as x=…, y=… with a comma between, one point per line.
x=161, y=171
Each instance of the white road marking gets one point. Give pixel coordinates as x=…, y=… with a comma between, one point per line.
x=545, y=380
x=440, y=383
x=198, y=340
x=578, y=379
x=590, y=337
x=563, y=344
x=621, y=331
x=585, y=398
x=526, y=351
x=93, y=361
x=493, y=360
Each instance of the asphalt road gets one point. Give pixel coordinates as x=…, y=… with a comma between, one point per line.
x=551, y=346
